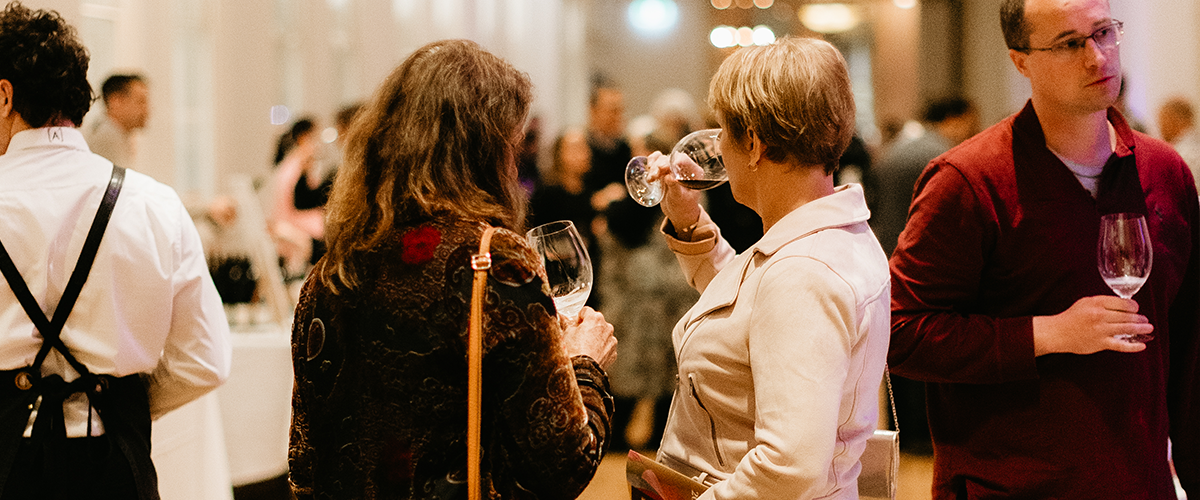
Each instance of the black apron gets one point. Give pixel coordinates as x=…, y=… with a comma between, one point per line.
x=48, y=465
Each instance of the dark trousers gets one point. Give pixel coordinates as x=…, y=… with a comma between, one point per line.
x=91, y=468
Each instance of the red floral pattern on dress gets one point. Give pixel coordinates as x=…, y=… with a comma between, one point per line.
x=419, y=244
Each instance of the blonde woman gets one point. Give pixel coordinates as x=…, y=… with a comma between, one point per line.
x=781, y=358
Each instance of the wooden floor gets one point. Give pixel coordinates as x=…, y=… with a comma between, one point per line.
x=916, y=472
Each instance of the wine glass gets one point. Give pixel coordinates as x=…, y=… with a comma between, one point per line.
x=568, y=267
x=1124, y=256
x=695, y=160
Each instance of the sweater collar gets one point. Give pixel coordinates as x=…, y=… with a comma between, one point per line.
x=1028, y=126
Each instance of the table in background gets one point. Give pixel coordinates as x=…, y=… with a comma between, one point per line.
x=237, y=434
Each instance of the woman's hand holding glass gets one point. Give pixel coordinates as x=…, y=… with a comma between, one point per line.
x=675, y=179
x=680, y=204
x=589, y=334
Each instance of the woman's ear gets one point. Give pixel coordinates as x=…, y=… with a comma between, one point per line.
x=756, y=149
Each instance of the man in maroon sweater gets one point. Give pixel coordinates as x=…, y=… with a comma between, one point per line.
x=998, y=304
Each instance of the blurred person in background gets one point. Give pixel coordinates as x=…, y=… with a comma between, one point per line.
x=136, y=326
x=606, y=137
x=946, y=123
x=781, y=359
x=1177, y=122
x=380, y=335
x=299, y=233
x=527, y=164
x=126, y=110
x=645, y=293
x=562, y=196
x=1037, y=387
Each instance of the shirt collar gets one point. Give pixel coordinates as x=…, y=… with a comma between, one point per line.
x=47, y=137
x=847, y=205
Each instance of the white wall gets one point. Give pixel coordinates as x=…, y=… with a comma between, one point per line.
x=1161, y=53
x=216, y=67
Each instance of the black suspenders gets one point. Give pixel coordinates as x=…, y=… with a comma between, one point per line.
x=122, y=402
x=50, y=329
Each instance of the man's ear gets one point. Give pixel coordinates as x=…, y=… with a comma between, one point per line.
x=1019, y=59
x=6, y=98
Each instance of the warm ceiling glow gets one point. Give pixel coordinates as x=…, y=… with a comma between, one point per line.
x=653, y=17
x=722, y=4
x=763, y=35
x=328, y=135
x=728, y=36
x=829, y=17
x=905, y=4
x=745, y=36
x=764, y=4
x=723, y=36
x=745, y=4
x=280, y=114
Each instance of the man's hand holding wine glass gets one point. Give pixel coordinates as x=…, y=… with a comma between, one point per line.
x=1090, y=325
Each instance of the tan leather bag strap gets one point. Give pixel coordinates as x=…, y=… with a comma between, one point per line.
x=480, y=262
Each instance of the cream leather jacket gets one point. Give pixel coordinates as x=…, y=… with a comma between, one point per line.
x=781, y=359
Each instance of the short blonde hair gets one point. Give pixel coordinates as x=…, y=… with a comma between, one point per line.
x=794, y=94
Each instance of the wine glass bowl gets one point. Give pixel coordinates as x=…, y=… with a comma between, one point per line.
x=695, y=161
x=1124, y=256
x=568, y=266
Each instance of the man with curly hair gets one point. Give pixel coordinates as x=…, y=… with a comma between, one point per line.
x=101, y=329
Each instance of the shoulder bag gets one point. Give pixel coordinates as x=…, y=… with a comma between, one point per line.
x=480, y=262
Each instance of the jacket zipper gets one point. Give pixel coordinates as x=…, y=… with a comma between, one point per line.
x=712, y=424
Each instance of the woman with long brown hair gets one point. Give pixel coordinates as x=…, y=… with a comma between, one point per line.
x=380, y=333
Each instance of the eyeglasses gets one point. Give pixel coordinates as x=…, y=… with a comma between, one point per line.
x=1107, y=37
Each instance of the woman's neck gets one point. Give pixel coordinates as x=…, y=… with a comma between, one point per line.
x=782, y=188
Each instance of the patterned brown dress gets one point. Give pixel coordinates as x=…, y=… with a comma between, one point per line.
x=379, y=408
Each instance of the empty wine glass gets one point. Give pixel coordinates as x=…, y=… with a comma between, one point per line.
x=695, y=160
x=1124, y=256
x=568, y=267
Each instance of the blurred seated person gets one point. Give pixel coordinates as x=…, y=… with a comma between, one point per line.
x=226, y=250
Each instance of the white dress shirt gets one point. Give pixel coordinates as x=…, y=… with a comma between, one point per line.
x=781, y=359
x=149, y=305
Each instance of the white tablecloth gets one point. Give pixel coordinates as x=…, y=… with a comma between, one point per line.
x=256, y=404
x=235, y=435
x=188, y=449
